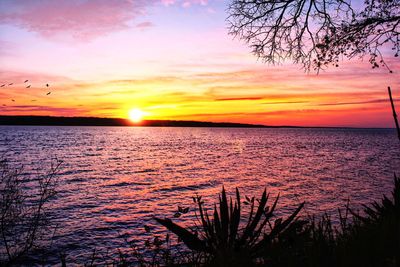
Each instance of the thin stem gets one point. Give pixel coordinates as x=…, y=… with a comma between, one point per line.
x=394, y=113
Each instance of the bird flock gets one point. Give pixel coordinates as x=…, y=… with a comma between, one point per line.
x=27, y=85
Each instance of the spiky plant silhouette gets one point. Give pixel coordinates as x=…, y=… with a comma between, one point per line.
x=388, y=207
x=227, y=239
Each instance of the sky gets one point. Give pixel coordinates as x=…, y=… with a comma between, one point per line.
x=173, y=60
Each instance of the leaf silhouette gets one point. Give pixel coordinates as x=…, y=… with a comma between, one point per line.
x=190, y=240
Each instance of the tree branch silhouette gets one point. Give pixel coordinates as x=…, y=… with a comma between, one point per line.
x=316, y=33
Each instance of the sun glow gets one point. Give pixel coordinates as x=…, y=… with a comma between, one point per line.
x=136, y=115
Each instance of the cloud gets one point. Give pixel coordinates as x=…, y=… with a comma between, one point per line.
x=249, y=96
x=18, y=78
x=285, y=102
x=168, y=2
x=144, y=25
x=266, y=113
x=362, y=117
x=36, y=109
x=372, y=101
x=78, y=18
x=184, y=3
x=7, y=48
x=238, y=98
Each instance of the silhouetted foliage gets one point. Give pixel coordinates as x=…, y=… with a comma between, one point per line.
x=371, y=238
x=23, y=217
x=317, y=33
x=223, y=241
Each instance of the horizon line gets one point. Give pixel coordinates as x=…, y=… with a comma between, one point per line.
x=129, y=123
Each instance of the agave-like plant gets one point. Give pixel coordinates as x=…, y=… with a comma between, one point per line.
x=225, y=241
x=376, y=211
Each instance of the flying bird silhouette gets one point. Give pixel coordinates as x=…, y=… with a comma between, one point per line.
x=26, y=81
x=47, y=85
x=12, y=100
x=29, y=86
x=48, y=93
x=10, y=83
x=2, y=85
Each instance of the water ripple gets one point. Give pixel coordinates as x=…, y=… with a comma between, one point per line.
x=115, y=179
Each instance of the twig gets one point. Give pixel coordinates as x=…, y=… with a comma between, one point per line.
x=394, y=113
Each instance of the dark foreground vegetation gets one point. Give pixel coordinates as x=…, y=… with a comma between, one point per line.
x=224, y=238
x=235, y=232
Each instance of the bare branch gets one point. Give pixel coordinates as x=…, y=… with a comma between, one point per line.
x=316, y=33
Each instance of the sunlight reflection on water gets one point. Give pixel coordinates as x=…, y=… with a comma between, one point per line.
x=114, y=180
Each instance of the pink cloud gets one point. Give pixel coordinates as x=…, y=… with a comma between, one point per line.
x=211, y=10
x=168, y=2
x=79, y=19
x=41, y=110
x=6, y=48
x=185, y=3
x=188, y=3
x=144, y=25
x=18, y=78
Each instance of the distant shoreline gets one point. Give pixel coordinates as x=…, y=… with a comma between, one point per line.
x=95, y=121
x=113, y=122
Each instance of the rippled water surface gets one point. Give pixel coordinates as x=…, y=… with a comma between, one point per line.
x=113, y=180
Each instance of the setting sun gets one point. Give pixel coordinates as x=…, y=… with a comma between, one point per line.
x=135, y=115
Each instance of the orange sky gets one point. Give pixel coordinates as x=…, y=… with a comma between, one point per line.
x=172, y=60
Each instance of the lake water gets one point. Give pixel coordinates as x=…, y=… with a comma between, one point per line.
x=113, y=180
